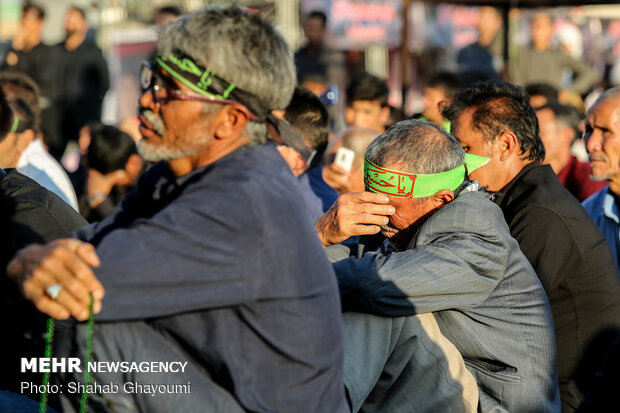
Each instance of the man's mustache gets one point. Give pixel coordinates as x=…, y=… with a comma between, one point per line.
x=153, y=119
x=597, y=157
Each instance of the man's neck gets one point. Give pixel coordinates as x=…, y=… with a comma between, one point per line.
x=614, y=185
x=32, y=41
x=74, y=41
x=512, y=171
x=560, y=162
x=185, y=165
x=540, y=47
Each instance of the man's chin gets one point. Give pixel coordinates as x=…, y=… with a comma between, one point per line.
x=600, y=176
x=155, y=153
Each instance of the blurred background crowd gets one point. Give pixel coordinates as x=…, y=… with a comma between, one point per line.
x=372, y=63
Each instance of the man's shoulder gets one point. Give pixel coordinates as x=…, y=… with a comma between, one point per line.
x=469, y=213
x=539, y=188
x=261, y=178
x=540, y=203
x=22, y=198
x=594, y=204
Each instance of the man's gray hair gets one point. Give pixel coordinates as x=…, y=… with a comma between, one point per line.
x=612, y=93
x=239, y=47
x=419, y=147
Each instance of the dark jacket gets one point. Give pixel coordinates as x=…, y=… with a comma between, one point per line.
x=29, y=214
x=576, y=268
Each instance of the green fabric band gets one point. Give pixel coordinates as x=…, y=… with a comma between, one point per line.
x=194, y=76
x=406, y=185
x=15, y=124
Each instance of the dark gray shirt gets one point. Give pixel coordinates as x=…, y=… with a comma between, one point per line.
x=227, y=261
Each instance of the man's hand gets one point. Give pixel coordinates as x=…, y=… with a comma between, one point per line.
x=99, y=185
x=336, y=177
x=66, y=262
x=356, y=213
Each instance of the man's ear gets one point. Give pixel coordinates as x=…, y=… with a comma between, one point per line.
x=443, y=197
x=508, y=145
x=230, y=121
x=24, y=139
x=385, y=115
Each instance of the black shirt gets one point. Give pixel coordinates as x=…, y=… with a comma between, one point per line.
x=574, y=263
x=83, y=81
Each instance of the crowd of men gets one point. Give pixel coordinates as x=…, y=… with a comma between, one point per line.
x=441, y=263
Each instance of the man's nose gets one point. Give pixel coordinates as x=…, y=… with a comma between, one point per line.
x=593, y=141
x=146, y=100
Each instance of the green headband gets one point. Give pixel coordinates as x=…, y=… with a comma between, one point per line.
x=194, y=76
x=406, y=185
x=15, y=124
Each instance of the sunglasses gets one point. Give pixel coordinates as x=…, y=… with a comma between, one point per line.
x=165, y=90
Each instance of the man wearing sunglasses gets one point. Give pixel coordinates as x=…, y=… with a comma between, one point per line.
x=255, y=311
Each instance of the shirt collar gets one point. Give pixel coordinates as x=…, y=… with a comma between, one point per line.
x=610, y=209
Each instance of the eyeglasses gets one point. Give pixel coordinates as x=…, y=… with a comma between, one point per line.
x=165, y=90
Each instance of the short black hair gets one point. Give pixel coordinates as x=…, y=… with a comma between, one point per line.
x=172, y=10
x=23, y=112
x=109, y=149
x=78, y=9
x=19, y=85
x=308, y=117
x=448, y=82
x=38, y=10
x=542, y=89
x=565, y=114
x=317, y=14
x=500, y=106
x=6, y=116
x=365, y=86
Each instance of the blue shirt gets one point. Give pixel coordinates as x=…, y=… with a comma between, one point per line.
x=327, y=194
x=604, y=211
x=227, y=261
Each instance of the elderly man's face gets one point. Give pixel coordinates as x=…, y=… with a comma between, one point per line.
x=410, y=214
x=602, y=136
x=473, y=141
x=172, y=129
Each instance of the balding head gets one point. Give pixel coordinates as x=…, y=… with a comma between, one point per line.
x=420, y=147
x=357, y=139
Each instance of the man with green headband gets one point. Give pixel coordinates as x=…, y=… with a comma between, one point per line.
x=445, y=250
x=211, y=263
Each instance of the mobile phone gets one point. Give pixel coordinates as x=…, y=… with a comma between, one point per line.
x=344, y=158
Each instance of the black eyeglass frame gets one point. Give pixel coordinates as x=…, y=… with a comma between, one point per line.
x=148, y=74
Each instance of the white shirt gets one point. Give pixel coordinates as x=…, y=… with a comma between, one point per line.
x=37, y=164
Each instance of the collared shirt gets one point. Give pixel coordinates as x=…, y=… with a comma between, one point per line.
x=604, y=210
x=228, y=262
x=37, y=164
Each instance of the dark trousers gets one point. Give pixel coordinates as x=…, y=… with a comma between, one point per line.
x=391, y=365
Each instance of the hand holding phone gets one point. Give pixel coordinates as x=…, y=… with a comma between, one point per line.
x=344, y=158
